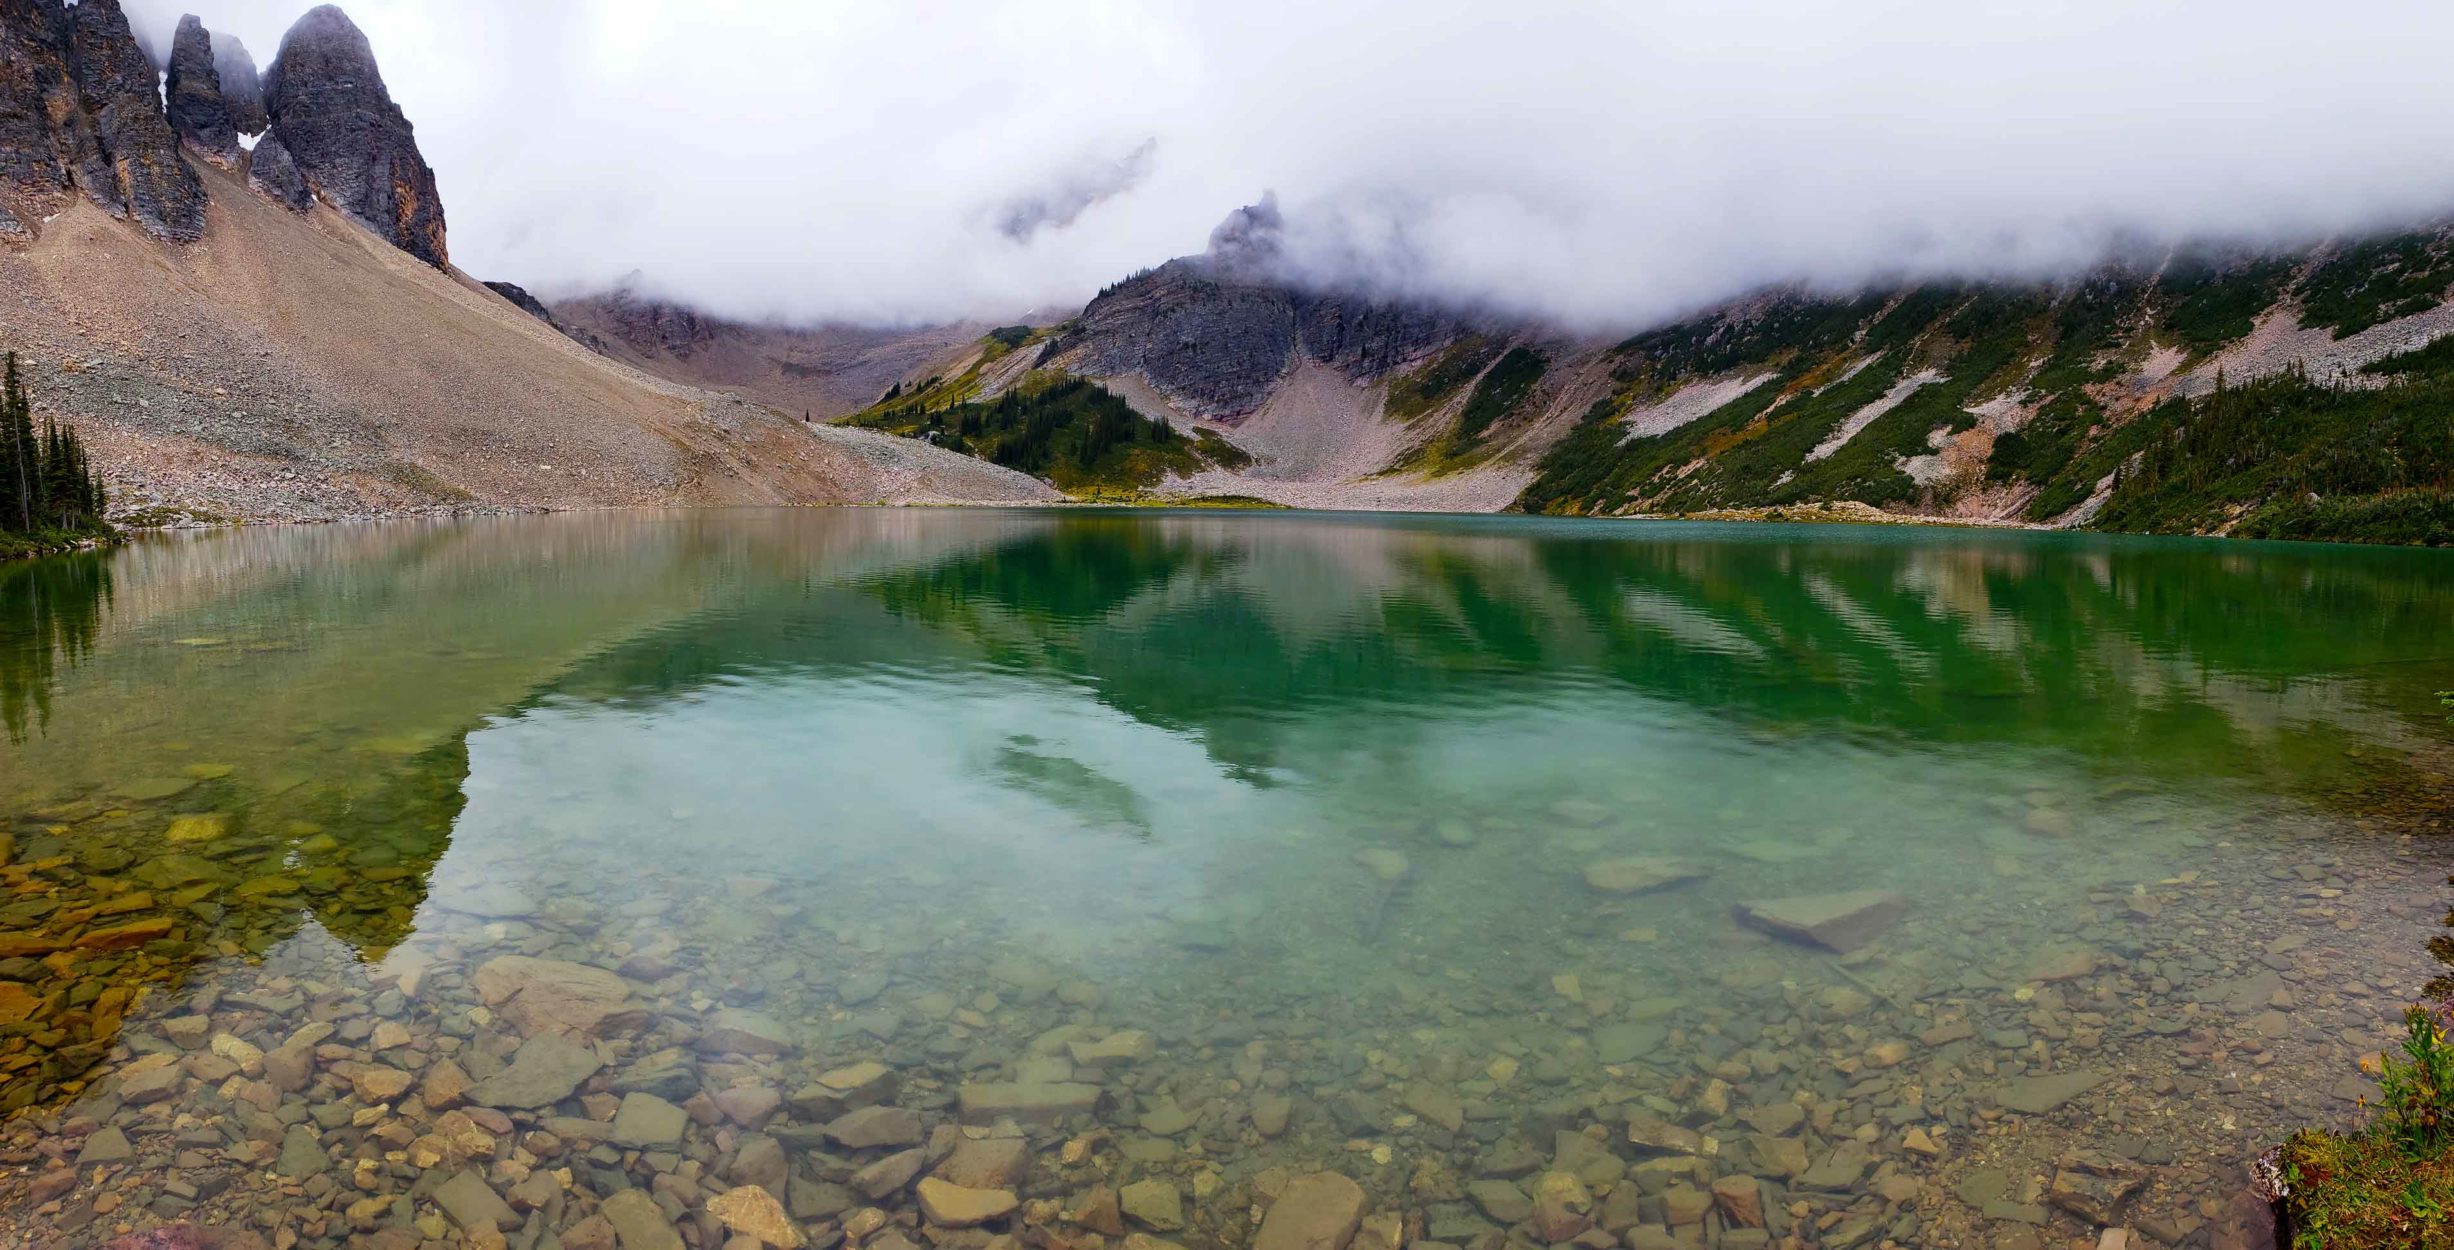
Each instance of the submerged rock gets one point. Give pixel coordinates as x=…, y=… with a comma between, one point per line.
x=2036, y=1095
x=1839, y=922
x=956, y=1206
x=754, y=1212
x=553, y=995
x=1317, y=1212
x=1640, y=874
x=545, y=1070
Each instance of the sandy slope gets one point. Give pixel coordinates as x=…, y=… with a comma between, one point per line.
x=293, y=367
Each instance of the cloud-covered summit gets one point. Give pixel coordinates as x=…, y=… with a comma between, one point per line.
x=1595, y=163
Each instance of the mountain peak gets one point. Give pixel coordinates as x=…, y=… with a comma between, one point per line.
x=331, y=111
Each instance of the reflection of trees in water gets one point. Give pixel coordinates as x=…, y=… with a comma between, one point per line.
x=50, y=611
x=353, y=856
x=2158, y=655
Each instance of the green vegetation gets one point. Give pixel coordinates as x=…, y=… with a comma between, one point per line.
x=2377, y=281
x=2392, y=1183
x=50, y=496
x=1501, y=393
x=2284, y=457
x=2274, y=453
x=1064, y=430
x=1427, y=388
x=2214, y=301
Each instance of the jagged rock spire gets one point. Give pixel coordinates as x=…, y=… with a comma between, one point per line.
x=198, y=114
x=331, y=111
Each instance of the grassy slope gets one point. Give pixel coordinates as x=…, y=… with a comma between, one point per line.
x=1066, y=431
x=2285, y=457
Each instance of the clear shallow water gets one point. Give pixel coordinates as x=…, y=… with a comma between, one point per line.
x=1310, y=801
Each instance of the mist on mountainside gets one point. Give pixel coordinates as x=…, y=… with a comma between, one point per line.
x=1596, y=165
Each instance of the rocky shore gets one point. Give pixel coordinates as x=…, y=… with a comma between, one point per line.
x=722, y=1062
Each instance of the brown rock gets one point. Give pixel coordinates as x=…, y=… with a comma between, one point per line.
x=554, y=996
x=1320, y=1211
x=987, y=1163
x=1741, y=1199
x=949, y=1205
x=751, y=1210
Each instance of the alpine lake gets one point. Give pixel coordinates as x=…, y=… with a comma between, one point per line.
x=1074, y=880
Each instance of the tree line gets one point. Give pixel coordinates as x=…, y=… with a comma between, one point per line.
x=48, y=486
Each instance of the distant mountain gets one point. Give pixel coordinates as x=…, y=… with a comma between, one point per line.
x=2208, y=390
x=823, y=371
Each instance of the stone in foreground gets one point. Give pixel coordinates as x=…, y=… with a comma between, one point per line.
x=753, y=1212
x=1033, y=1102
x=543, y=1072
x=949, y=1205
x=1836, y=922
x=1640, y=874
x=2036, y=1095
x=1317, y=1212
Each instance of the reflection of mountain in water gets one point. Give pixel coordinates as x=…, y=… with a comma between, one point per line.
x=307, y=695
x=2232, y=661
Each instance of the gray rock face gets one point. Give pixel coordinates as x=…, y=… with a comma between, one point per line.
x=654, y=325
x=1215, y=332
x=36, y=88
x=527, y=303
x=330, y=108
x=242, y=90
x=79, y=106
x=142, y=169
x=271, y=171
x=198, y=114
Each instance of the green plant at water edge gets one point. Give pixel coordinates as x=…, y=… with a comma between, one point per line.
x=48, y=489
x=2445, y=699
x=2416, y=1094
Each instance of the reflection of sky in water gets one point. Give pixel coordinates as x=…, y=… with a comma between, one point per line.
x=932, y=803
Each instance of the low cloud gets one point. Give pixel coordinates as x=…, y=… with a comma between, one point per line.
x=1600, y=164
x=1070, y=191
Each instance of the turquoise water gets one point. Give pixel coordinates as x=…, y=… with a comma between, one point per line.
x=1420, y=850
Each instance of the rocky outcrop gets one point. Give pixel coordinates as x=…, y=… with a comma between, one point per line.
x=652, y=326
x=38, y=100
x=198, y=114
x=272, y=172
x=1215, y=332
x=139, y=173
x=1215, y=339
x=330, y=108
x=79, y=107
x=520, y=297
x=242, y=90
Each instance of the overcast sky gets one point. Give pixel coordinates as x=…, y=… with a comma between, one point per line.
x=1604, y=163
